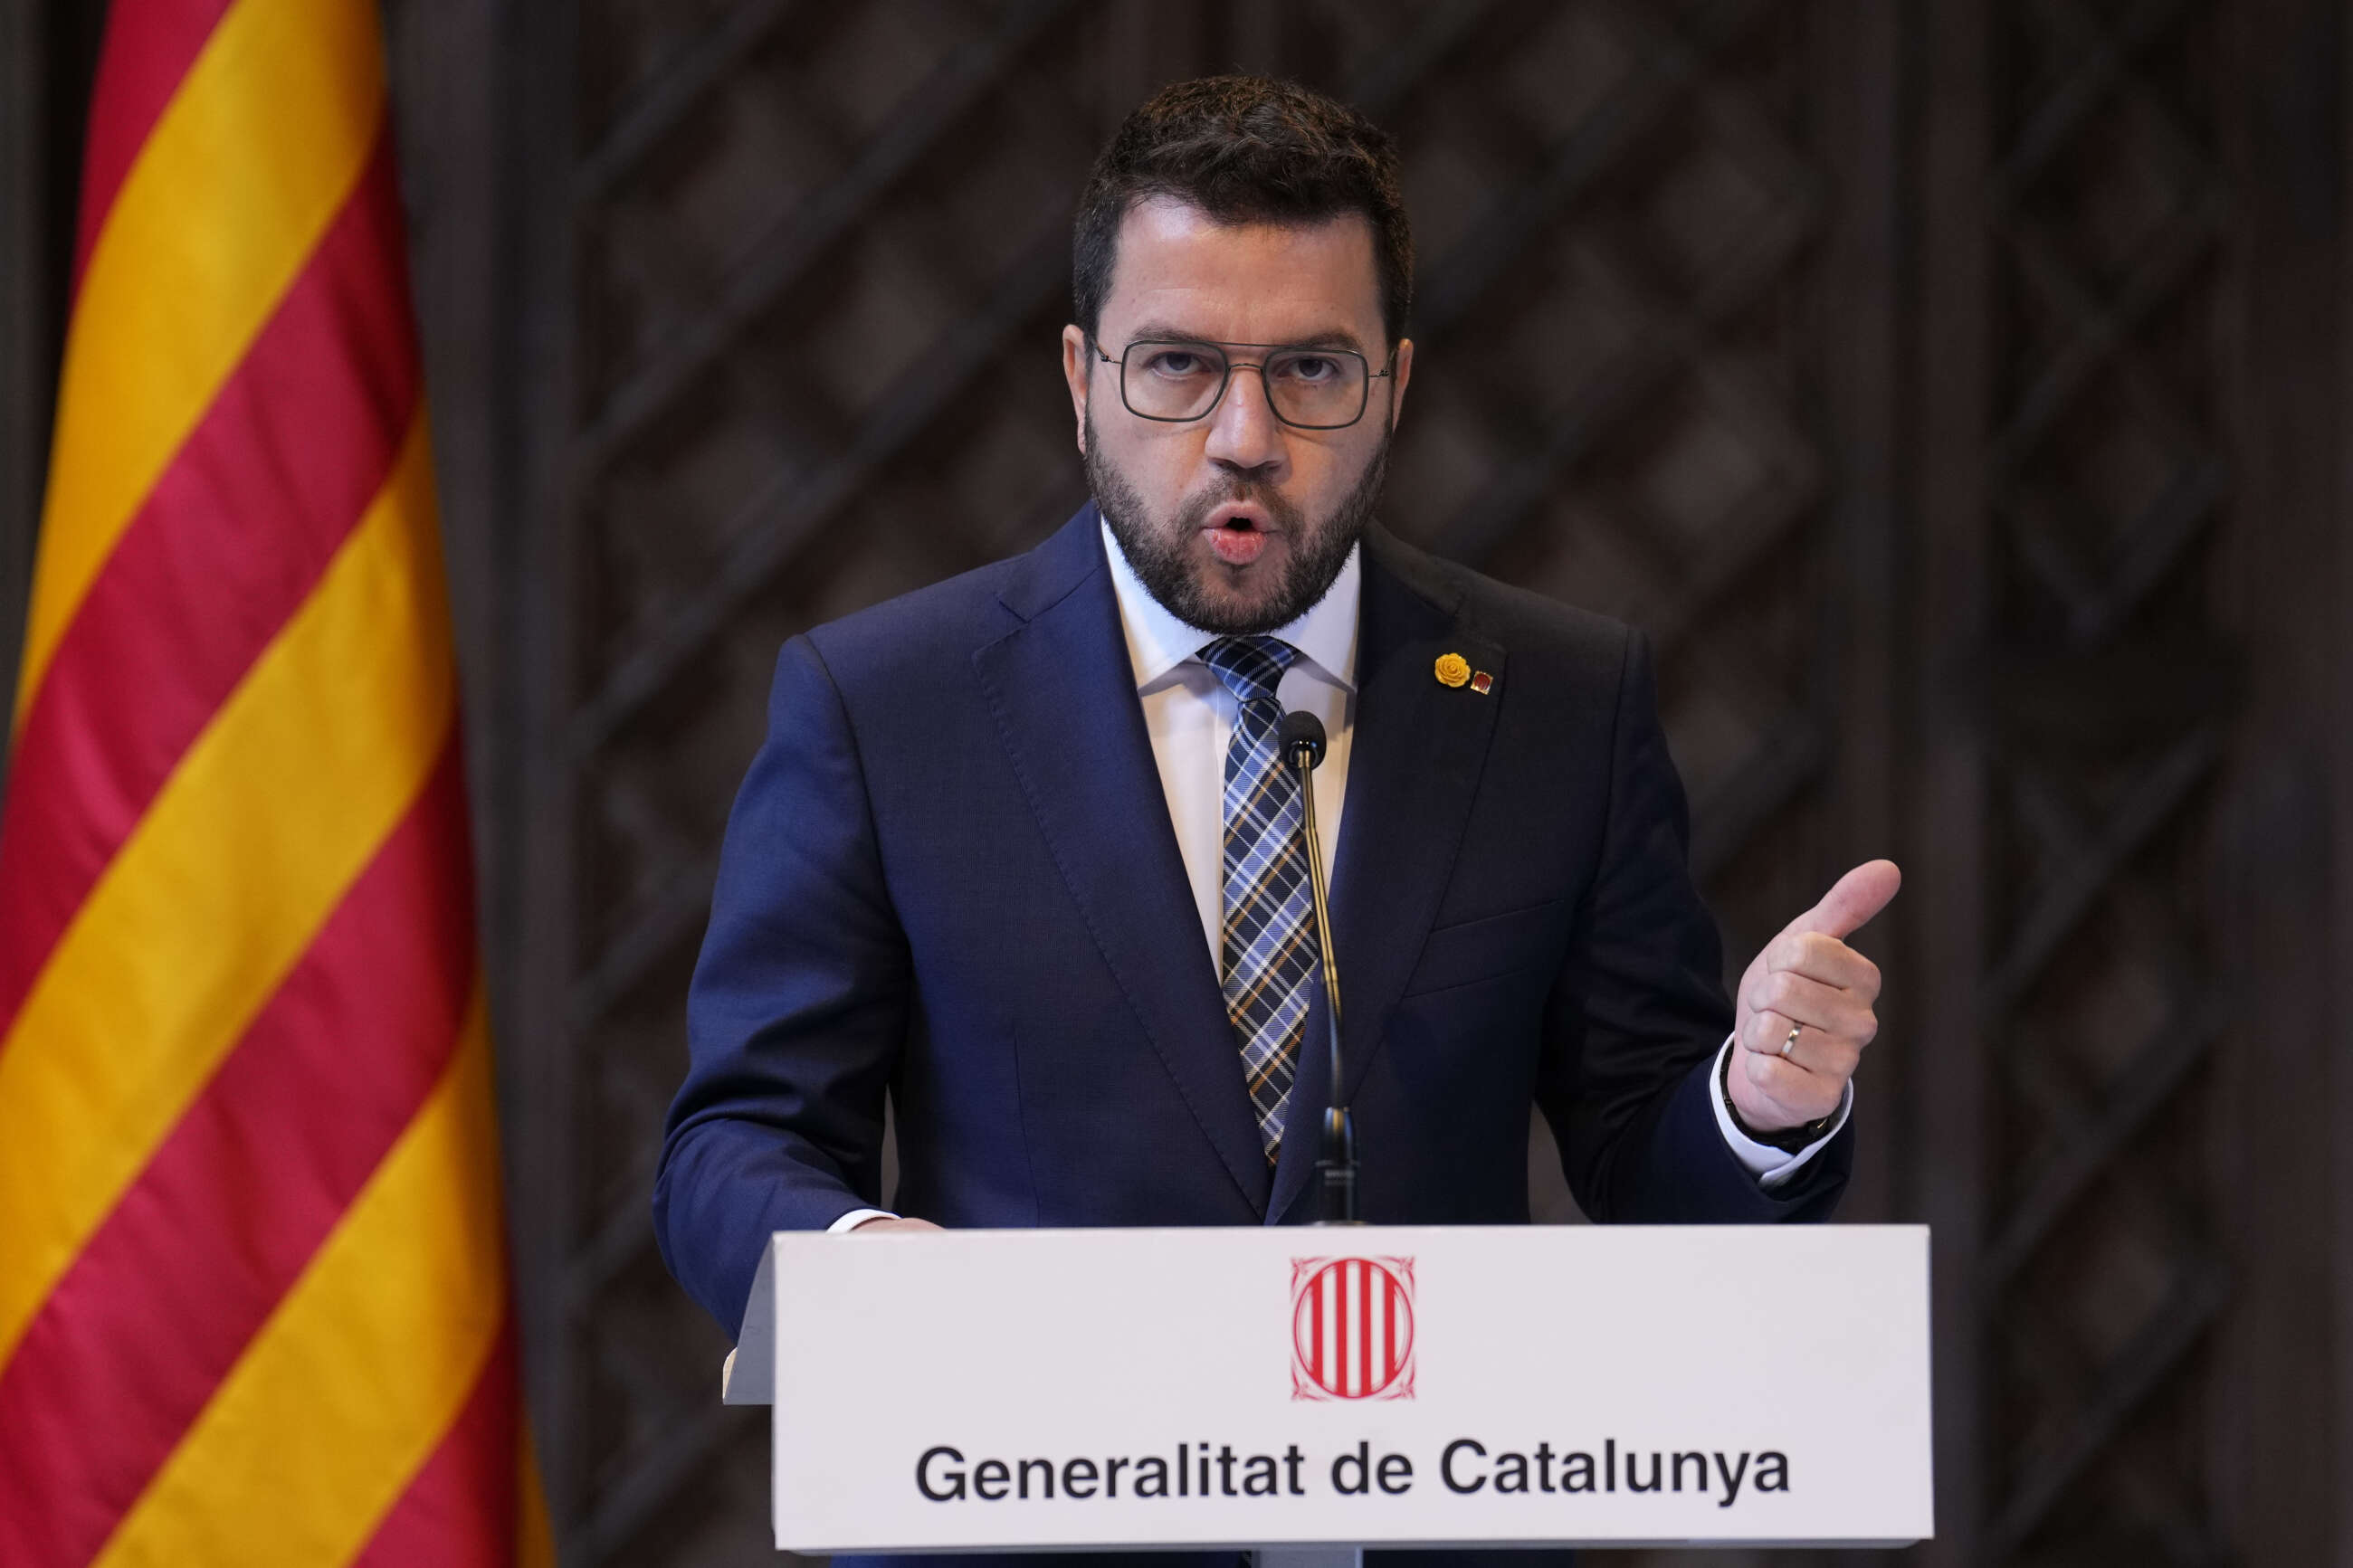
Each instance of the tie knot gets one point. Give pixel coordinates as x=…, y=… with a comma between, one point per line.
x=1252, y=667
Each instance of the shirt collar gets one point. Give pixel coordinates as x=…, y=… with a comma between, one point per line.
x=1157, y=641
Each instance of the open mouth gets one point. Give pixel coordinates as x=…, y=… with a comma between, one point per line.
x=1238, y=532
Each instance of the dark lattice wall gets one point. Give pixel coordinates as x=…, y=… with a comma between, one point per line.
x=2107, y=476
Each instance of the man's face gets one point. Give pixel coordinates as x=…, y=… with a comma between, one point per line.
x=1235, y=521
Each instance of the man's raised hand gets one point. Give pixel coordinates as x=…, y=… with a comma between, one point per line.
x=1809, y=979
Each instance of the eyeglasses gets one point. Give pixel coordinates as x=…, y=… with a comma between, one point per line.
x=1176, y=381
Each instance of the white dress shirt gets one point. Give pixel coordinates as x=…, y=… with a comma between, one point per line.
x=1189, y=715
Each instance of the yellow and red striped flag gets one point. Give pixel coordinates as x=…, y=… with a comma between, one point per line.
x=254, y=1296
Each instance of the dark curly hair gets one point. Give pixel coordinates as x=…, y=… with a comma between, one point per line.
x=1245, y=149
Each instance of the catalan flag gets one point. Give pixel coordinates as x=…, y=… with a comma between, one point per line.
x=254, y=1303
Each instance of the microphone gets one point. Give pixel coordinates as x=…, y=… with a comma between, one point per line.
x=1300, y=737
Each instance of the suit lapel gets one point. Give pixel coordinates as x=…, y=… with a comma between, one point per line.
x=1061, y=689
x=1414, y=765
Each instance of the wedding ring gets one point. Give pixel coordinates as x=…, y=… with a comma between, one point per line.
x=1790, y=1044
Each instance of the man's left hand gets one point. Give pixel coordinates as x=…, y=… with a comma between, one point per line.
x=1809, y=979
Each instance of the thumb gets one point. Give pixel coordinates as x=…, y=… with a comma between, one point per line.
x=1849, y=907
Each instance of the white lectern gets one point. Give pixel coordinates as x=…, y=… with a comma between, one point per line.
x=1366, y=1385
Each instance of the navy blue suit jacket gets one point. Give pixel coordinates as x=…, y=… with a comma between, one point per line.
x=950, y=878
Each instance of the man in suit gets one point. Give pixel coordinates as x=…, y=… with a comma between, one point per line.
x=1018, y=856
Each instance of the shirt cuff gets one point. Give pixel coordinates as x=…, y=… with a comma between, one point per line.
x=857, y=1217
x=1770, y=1166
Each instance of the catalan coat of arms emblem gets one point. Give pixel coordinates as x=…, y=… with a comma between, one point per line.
x=1352, y=1328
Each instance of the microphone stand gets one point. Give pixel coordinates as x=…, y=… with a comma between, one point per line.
x=1336, y=1165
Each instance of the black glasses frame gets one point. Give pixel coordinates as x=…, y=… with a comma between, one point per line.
x=1388, y=367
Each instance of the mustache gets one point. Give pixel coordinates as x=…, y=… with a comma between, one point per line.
x=1234, y=491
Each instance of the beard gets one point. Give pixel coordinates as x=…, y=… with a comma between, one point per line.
x=1160, y=550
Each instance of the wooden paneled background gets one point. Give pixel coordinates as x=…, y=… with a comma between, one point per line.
x=1957, y=390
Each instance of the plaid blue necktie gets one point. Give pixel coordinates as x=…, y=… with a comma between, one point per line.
x=1270, y=917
